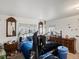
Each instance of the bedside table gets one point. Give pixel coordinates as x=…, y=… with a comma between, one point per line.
x=10, y=48
x=2, y=54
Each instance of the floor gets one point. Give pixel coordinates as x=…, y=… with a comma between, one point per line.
x=20, y=56
x=73, y=56
x=16, y=56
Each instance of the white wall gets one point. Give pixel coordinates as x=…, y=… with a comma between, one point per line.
x=3, y=18
x=64, y=23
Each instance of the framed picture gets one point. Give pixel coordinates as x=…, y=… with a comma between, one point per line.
x=10, y=27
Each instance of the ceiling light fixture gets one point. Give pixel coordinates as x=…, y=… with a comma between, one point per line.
x=73, y=7
x=77, y=8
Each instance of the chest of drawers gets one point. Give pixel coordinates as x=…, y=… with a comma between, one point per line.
x=70, y=43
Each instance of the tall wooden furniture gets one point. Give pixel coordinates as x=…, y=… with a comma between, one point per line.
x=70, y=43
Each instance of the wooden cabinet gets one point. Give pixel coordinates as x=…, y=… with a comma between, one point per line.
x=70, y=43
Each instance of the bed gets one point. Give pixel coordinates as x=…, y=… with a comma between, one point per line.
x=27, y=44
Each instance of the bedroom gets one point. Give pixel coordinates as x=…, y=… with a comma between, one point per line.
x=59, y=15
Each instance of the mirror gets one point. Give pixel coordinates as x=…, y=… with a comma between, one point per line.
x=10, y=27
x=40, y=27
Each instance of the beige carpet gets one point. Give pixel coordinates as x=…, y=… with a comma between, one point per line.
x=16, y=56
x=73, y=56
x=20, y=56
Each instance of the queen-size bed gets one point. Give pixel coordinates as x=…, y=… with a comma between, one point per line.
x=26, y=46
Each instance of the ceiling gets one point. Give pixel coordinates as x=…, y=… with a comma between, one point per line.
x=39, y=9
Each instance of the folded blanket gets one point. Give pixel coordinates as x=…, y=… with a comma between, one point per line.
x=48, y=55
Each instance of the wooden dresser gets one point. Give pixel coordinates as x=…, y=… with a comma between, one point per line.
x=70, y=43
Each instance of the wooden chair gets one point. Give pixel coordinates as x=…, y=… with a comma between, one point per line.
x=10, y=48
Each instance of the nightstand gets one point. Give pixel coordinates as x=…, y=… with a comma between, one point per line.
x=10, y=48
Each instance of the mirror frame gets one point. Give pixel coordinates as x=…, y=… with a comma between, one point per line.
x=10, y=27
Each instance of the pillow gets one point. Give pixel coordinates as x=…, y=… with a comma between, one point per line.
x=24, y=39
x=29, y=38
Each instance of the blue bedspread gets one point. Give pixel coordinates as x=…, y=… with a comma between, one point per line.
x=26, y=46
